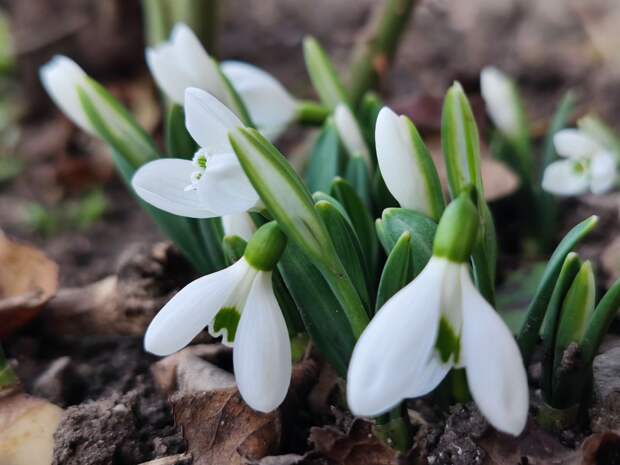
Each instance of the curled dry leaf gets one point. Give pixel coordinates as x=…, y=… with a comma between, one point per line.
x=220, y=429
x=27, y=426
x=600, y=449
x=357, y=445
x=28, y=279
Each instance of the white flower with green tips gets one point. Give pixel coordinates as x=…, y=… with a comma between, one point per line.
x=213, y=183
x=406, y=165
x=182, y=62
x=586, y=165
x=237, y=303
x=437, y=322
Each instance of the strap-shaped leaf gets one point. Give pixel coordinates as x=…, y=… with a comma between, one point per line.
x=396, y=221
x=599, y=323
x=398, y=270
x=323, y=75
x=321, y=312
x=359, y=177
x=528, y=336
x=347, y=247
x=326, y=161
x=179, y=143
x=360, y=217
x=212, y=234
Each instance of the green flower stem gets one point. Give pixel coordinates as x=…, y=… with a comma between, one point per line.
x=8, y=378
x=394, y=429
x=201, y=16
x=311, y=113
x=373, y=54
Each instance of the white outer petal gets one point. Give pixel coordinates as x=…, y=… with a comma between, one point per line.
x=270, y=105
x=162, y=183
x=560, y=178
x=493, y=364
x=238, y=224
x=573, y=143
x=429, y=376
x=161, y=61
x=350, y=133
x=499, y=98
x=192, y=309
x=262, y=350
x=224, y=188
x=61, y=77
x=396, y=344
x=209, y=121
x=398, y=163
x=603, y=172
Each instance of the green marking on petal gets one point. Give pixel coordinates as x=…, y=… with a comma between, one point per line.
x=448, y=342
x=225, y=323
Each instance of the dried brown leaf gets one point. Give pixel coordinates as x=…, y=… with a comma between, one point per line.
x=220, y=429
x=28, y=279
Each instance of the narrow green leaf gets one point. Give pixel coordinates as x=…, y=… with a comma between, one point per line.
x=291, y=314
x=322, y=314
x=347, y=247
x=358, y=176
x=382, y=198
x=212, y=234
x=360, y=217
x=323, y=75
x=569, y=270
x=398, y=270
x=599, y=323
x=368, y=112
x=179, y=143
x=326, y=160
x=528, y=336
x=396, y=221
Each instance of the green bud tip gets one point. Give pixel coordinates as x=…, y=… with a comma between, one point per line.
x=265, y=247
x=457, y=229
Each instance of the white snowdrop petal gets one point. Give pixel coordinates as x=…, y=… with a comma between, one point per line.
x=208, y=120
x=398, y=164
x=563, y=178
x=224, y=188
x=270, y=105
x=61, y=77
x=162, y=183
x=573, y=143
x=499, y=98
x=350, y=132
x=429, y=376
x=603, y=172
x=262, y=350
x=396, y=344
x=238, y=224
x=493, y=364
x=169, y=78
x=192, y=309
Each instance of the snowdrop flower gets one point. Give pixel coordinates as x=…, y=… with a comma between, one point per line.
x=500, y=97
x=61, y=78
x=406, y=165
x=239, y=224
x=238, y=303
x=183, y=62
x=437, y=322
x=587, y=165
x=213, y=183
x=350, y=133
x=270, y=105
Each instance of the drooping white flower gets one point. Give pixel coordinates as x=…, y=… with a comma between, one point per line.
x=350, y=132
x=500, y=97
x=237, y=303
x=239, y=224
x=183, y=62
x=587, y=165
x=437, y=322
x=213, y=183
x=270, y=105
x=406, y=165
x=61, y=78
